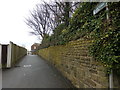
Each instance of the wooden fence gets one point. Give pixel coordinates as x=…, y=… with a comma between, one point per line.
x=10, y=54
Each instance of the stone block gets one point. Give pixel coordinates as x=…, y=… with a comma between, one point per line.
x=74, y=61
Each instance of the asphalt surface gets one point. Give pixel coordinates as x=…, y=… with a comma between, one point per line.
x=33, y=72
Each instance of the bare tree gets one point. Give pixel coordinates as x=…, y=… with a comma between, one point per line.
x=62, y=11
x=39, y=20
x=46, y=17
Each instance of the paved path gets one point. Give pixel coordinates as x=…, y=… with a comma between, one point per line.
x=33, y=73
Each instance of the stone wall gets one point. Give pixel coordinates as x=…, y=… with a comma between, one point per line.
x=75, y=63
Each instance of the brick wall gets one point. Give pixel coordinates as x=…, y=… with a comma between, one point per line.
x=75, y=63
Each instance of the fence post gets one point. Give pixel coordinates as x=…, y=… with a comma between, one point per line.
x=9, y=55
x=0, y=56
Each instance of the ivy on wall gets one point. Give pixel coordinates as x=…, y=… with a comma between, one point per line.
x=105, y=33
x=106, y=45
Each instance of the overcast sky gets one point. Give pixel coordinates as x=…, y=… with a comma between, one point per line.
x=12, y=26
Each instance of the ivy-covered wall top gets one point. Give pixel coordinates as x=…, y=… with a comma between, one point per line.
x=104, y=32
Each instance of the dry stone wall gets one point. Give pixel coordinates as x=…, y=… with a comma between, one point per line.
x=75, y=63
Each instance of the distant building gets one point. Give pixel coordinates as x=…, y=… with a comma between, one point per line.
x=34, y=47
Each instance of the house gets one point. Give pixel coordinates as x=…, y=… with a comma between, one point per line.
x=34, y=47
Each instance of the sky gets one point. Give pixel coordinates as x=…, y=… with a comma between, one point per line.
x=12, y=25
